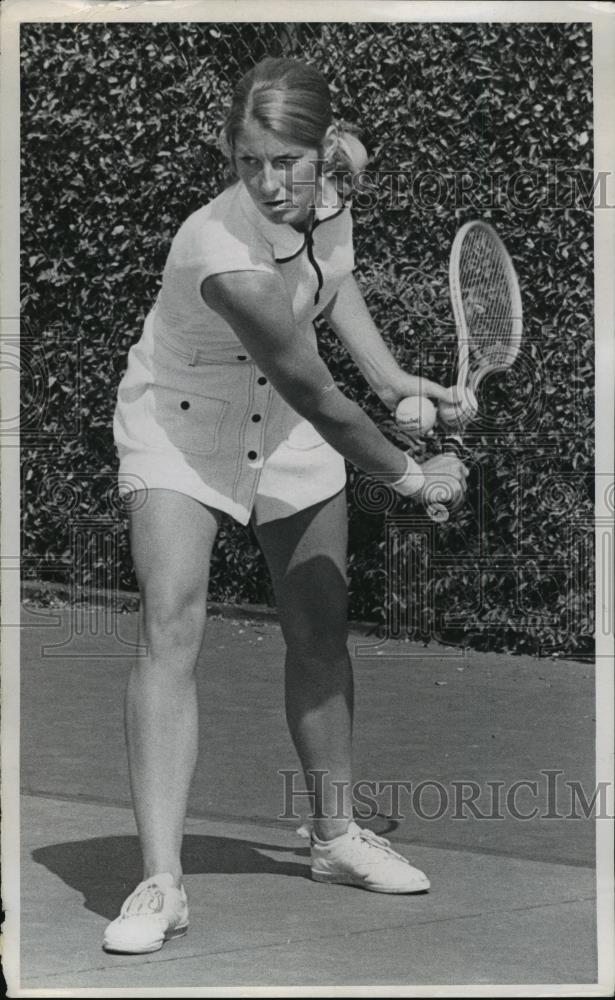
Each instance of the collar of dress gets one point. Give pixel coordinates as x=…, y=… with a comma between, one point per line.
x=285, y=241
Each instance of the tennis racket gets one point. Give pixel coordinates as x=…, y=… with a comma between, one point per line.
x=488, y=315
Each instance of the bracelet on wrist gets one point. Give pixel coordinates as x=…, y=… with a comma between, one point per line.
x=412, y=481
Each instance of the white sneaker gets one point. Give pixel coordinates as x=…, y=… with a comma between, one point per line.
x=363, y=859
x=155, y=912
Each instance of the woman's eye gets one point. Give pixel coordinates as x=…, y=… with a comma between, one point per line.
x=250, y=161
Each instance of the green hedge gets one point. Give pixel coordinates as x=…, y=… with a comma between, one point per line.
x=119, y=130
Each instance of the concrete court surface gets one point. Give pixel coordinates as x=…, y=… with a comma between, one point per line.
x=512, y=900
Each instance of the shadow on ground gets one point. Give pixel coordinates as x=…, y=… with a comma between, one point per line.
x=105, y=869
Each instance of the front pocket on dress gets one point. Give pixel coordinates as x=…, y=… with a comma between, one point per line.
x=299, y=433
x=188, y=421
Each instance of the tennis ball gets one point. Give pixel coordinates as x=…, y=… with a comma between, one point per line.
x=456, y=416
x=416, y=414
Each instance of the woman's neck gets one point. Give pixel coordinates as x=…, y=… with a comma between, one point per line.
x=306, y=224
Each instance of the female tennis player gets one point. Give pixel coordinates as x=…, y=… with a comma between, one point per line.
x=226, y=406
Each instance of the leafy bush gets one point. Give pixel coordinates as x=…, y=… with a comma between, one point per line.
x=119, y=144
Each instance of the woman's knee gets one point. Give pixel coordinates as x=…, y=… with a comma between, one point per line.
x=315, y=621
x=314, y=612
x=172, y=536
x=317, y=642
x=173, y=625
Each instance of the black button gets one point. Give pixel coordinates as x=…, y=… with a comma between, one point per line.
x=262, y=380
x=242, y=357
x=185, y=405
x=256, y=418
x=251, y=454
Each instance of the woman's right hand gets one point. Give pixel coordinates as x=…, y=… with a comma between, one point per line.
x=445, y=480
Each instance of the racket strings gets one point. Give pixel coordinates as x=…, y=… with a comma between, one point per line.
x=486, y=299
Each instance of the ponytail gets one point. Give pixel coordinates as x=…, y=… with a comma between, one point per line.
x=349, y=161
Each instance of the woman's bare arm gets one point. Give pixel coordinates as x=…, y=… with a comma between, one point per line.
x=257, y=307
x=349, y=317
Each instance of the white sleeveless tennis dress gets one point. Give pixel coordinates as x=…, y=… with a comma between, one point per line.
x=194, y=413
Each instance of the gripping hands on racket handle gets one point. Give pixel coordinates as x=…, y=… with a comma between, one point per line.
x=439, y=483
x=442, y=500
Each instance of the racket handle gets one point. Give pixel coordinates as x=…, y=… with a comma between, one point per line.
x=453, y=445
x=439, y=512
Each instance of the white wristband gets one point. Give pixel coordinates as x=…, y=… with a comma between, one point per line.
x=412, y=481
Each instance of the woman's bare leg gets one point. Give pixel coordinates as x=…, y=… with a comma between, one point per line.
x=172, y=537
x=306, y=554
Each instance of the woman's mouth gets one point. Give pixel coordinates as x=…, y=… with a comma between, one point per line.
x=278, y=205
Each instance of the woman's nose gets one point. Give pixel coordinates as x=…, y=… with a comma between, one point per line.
x=270, y=180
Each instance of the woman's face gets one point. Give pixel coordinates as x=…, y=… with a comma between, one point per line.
x=280, y=175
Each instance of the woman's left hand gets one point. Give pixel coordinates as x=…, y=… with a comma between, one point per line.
x=447, y=394
x=413, y=385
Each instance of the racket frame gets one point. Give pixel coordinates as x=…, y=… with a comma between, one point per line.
x=469, y=378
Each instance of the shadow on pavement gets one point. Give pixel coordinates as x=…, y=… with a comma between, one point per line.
x=106, y=869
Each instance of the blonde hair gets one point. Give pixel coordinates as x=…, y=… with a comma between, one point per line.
x=292, y=99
